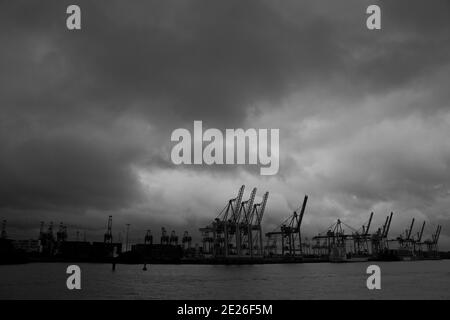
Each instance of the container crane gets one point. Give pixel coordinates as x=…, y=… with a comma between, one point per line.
x=231, y=223
x=148, y=239
x=436, y=236
x=408, y=238
x=362, y=237
x=334, y=242
x=173, y=240
x=379, y=239
x=186, y=240
x=244, y=222
x=418, y=241
x=255, y=233
x=386, y=231
x=164, y=236
x=224, y=227
x=366, y=233
x=108, y=238
x=290, y=231
x=406, y=241
x=61, y=235
x=432, y=244
x=419, y=235
x=368, y=225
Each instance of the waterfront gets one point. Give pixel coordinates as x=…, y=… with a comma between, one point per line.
x=399, y=280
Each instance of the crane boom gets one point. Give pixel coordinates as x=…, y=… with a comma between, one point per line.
x=252, y=199
x=389, y=225
x=421, y=232
x=438, y=233
x=410, y=229
x=368, y=225
x=237, y=203
x=304, y=205
x=239, y=197
x=302, y=212
x=262, y=208
x=383, y=233
x=250, y=204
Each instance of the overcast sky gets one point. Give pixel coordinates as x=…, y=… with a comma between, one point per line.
x=86, y=116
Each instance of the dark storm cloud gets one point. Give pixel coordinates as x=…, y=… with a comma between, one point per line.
x=208, y=59
x=84, y=113
x=66, y=171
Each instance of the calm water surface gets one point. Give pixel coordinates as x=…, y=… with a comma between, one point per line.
x=399, y=280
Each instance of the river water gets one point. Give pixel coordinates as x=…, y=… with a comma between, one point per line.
x=399, y=280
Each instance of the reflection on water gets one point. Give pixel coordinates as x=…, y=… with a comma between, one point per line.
x=399, y=280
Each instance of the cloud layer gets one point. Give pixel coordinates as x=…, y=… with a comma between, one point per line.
x=86, y=116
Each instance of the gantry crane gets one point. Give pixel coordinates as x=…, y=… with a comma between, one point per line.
x=361, y=240
x=432, y=244
x=255, y=229
x=379, y=239
x=406, y=242
x=47, y=239
x=186, y=240
x=61, y=235
x=207, y=234
x=173, y=240
x=335, y=241
x=244, y=223
x=108, y=238
x=237, y=227
x=418, y=242
x=164, y=236
x=388, y=227
x=289, y=232
x=224, y=227
x=230, y=221
x=148, y=239
x=410, y=230
x=420, y=234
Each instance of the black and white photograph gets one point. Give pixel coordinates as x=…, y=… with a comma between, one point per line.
x=246, y=152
